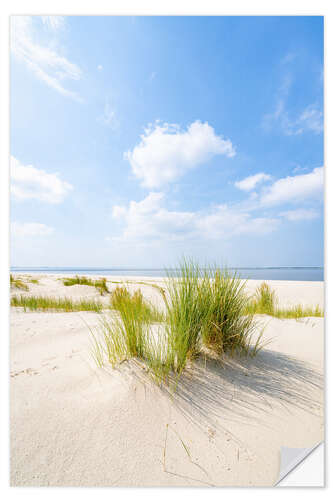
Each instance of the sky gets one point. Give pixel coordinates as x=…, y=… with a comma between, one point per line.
x=138, y=140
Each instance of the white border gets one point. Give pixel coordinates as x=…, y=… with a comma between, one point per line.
x=138, y=7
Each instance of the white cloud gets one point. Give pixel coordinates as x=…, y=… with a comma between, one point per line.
x=21, y=229
x=225, y=222
x=294, y=189
x=309, y=119
x=150, y=204
x=166, y=152
x=40, y=56
x=99, y=67
x=298, y=168
x=150, y=220
x=250, y=182
x=300, y=214
x=109, y=117
x=29, y=182
x=53, y=22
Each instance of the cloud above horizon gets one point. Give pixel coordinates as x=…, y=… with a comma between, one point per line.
x=166, y=152
x=29, y=182
x=53, y=22
x=309, y=119
x=294, y=188
x=41, y=56
x=300, y=214
x=149, y=220
x=22, y=229
x=109, y=117
x=251, y=182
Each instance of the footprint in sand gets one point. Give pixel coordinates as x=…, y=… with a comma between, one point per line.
x=73, y=353
x=26, y=371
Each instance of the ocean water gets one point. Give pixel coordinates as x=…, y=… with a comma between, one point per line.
x=256, y=273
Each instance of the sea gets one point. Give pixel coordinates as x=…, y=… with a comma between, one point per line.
x=256, y=273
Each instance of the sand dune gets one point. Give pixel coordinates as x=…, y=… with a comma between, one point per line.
x=73, y=424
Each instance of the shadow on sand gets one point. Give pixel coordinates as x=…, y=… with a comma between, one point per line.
x=245, y=389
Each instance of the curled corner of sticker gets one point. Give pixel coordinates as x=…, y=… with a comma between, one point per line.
x=290, y=458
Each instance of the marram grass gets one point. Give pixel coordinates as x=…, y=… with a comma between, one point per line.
x=206, y=311
x=18, y=283
x=206, y=308
x=226, y=329
x=265, y=301
x=122, y=300
x=99, y=284
x=186, y=313
x=128, y=333
x=203, y=309
x=41, y=303
x=298, y=312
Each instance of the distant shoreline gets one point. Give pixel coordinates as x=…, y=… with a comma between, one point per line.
x=255, y=273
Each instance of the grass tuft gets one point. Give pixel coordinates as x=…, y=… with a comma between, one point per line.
x=100, y=284
x=18, y=283
x=226, y=329
x=206, y=308
x=122, y=300
x=203, y=309
x=298, y=312
x=39, y=303
x=186, y=314
x=125, y=336
x=264, y=301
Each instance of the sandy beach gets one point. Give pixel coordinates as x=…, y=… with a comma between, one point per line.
x=74, y=424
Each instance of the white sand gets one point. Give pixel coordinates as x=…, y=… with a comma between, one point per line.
x=73, y=424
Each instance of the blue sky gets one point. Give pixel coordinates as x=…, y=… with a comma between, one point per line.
x=136, y=140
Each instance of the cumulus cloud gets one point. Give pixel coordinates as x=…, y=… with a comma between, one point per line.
x=250, y=182
x=294, y=188
x=29, y=182
x=166, y=152
x=225, y=222
x=300, y=214
x=22, y=229
x=150, y=220
x=40, y=56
